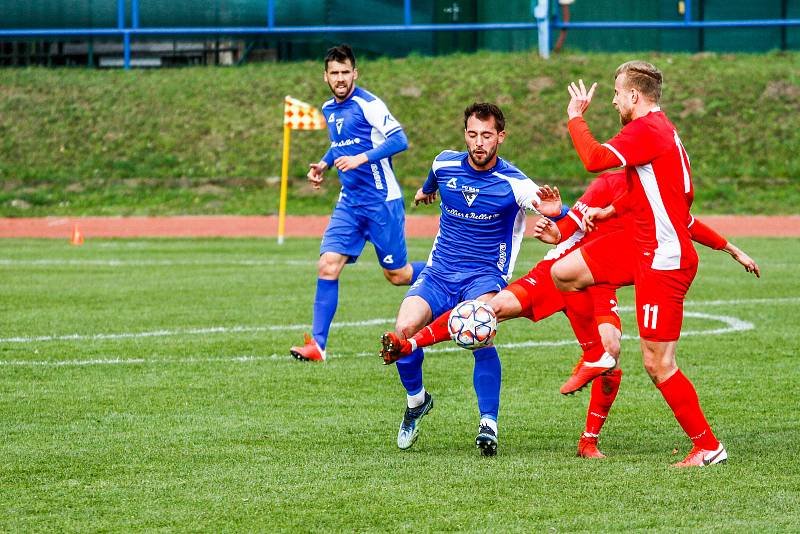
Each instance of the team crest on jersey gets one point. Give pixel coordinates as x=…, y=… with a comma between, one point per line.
x=470, y=194
x=339, y=123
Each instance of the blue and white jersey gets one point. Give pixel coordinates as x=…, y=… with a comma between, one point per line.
x=483, y=215
x=359, y=124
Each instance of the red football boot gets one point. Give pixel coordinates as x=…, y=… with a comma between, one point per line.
x=587, y=447
x=585, y=372
x=310, y=351
x=393, y=348
x=699, y=457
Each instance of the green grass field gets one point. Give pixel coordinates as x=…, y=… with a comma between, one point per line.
x=146, y=385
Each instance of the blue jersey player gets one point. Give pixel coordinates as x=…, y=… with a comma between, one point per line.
x=364, y=137
x=483, y=203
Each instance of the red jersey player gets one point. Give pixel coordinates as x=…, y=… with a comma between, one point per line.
x=533, y=296
x=659, y=195
x=601, y=192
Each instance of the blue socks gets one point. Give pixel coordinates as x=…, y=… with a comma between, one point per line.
x=486, y=379
x=325, y=302
x=416, y=268
x=410, y=370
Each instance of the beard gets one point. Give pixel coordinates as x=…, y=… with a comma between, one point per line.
x=341, y=86
x=625, y=116
x=488, y=155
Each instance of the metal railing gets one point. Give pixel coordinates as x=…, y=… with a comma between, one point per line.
x=542, y=21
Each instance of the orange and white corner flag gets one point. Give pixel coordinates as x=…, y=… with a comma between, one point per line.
x=298, y=115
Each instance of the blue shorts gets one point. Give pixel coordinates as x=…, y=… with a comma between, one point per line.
x=382, y=224
x=443, y=292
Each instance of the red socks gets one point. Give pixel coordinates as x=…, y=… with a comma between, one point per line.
x=681, y=396
x=604, y=391
x=435, y=332
x=580, y=312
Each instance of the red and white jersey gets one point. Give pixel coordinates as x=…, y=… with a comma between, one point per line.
x=660, y=191
x=602, y=191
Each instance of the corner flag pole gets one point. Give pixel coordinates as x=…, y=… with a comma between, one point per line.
x=284, y=183
x=297, y=115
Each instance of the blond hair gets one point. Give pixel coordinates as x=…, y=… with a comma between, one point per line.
x=642, y=76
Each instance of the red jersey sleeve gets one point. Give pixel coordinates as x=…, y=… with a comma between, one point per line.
x=597, y=195
x=705, y=235
x=594, y=156
x=567, y=226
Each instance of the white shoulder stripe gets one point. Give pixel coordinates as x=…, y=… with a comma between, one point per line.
x=616, y=153
x=439, y=164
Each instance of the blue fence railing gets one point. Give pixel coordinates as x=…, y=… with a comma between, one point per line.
x=542, y=21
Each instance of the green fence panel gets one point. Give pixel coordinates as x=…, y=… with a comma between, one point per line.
x=741, y=39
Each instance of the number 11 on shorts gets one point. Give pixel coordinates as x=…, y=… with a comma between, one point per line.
x=650, y=316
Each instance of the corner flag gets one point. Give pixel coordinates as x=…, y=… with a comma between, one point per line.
x=297, y=115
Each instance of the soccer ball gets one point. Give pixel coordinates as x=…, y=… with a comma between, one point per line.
x=472, y=324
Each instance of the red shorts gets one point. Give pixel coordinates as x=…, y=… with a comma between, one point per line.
x=612, y=259
x=605, y=304
x=536, y=292
x=659, y=301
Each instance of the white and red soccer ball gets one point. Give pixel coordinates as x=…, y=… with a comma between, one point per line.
x=472, y=324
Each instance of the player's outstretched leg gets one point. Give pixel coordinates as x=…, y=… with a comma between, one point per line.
x=393, y=347
x=487, y=377
x=604, y=391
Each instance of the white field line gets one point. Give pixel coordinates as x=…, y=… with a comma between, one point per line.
x=187, y=331
x=273, y=328
x=136, y=361
x=732, y=324
x=150, y=263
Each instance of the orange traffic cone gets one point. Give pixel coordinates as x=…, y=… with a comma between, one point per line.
x=77, y=236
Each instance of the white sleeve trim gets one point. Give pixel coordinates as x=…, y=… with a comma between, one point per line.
x=616, y=153
x=575, y=218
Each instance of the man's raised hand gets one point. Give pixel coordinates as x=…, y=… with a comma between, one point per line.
x=580, y=98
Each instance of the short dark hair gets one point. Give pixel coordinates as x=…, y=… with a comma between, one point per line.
x=484, y=110
x=341, y=54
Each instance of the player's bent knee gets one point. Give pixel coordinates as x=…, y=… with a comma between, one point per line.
x=561, y=276
x=329, y=267
x=398, y=277
x=406, y=330
x=505, y=305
